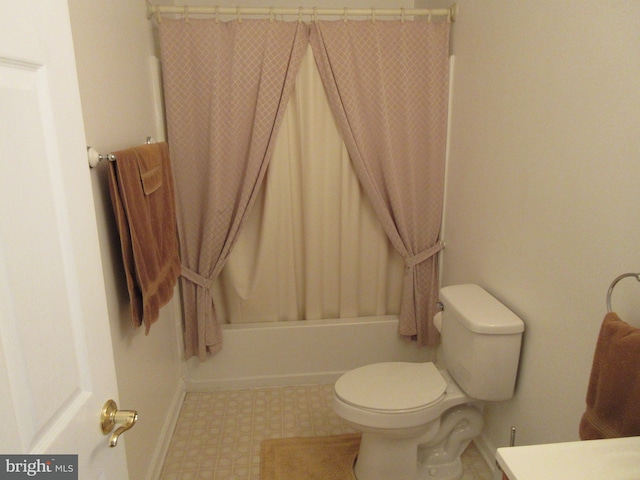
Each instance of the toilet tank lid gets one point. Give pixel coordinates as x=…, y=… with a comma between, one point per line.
x=479, y=311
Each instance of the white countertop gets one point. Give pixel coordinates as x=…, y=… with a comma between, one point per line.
x=615, y=459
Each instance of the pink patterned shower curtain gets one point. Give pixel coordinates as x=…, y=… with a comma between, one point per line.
x=388, y=84
x=226, y=87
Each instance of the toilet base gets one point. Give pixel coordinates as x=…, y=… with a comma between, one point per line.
x=433, y=456
x=440, y=457
x=449, y=471
x=382, y=458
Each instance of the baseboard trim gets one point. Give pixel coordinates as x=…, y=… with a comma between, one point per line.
x=488, y=452
x=162, y=447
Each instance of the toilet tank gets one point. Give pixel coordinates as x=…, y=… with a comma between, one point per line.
x=481, y=341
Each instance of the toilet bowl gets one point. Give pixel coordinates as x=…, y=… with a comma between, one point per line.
x=417, y=420
x=399, y=432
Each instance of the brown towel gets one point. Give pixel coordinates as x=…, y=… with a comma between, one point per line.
x=613, y=395
x=141, y=187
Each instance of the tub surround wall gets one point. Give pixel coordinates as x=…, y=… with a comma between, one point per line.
x=542, y=188
x=114, y=54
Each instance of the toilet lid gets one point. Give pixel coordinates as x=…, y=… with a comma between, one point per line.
x=392, y=386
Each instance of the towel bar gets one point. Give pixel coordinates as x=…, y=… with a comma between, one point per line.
x=95, y=158
x=613, y=284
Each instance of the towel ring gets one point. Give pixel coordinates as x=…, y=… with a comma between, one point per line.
x=613, y=284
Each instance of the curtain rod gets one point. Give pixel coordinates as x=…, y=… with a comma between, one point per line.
x=451, y=12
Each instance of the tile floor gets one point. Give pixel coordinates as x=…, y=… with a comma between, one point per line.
x=218, y=434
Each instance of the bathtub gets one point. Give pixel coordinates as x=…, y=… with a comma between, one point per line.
x=300, y=352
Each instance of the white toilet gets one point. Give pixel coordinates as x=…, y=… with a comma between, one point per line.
x=417, y=420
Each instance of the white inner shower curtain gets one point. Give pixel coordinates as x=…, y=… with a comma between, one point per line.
x=312, y=246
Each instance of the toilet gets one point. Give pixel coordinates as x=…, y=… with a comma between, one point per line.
x=417, y=420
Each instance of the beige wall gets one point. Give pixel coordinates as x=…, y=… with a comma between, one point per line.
x=542, y=203
x=113, y=42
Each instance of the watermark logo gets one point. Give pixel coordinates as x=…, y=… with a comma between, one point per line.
x=49, y=467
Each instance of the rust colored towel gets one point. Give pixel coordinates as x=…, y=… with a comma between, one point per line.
x=141, y=187
x=613, y=395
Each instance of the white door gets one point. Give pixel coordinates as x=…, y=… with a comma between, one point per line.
x=56, y=361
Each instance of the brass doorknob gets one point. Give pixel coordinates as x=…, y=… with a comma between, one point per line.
x=111, y=416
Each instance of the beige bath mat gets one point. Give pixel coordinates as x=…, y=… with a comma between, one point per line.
x=309, y=458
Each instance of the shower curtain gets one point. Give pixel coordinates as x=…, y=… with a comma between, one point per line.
x=226, y=87
x=312, y=246
x=388, y=84
x=388, y=92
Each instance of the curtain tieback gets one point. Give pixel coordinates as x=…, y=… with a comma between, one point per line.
x=422, y=256
x=196, y=278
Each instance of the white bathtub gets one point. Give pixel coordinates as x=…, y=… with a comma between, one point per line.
x=296, y=353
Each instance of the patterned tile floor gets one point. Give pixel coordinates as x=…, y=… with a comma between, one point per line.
x=218, y=433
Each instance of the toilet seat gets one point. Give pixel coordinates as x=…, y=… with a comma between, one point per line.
x=392, y=387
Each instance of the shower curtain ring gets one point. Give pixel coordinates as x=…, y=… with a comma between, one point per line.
x=238, y=14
